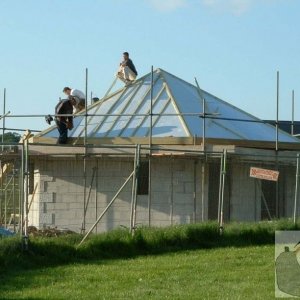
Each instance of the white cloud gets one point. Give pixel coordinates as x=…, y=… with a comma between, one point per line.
x=168, y=5
x=236, y=7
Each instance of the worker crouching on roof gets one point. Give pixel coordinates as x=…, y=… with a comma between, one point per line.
x=127, y=72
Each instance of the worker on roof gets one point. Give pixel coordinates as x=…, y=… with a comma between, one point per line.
x=63, y=123
x=127, y=72
x=78, y=96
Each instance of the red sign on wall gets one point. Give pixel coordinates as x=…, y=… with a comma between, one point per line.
x=264, y=174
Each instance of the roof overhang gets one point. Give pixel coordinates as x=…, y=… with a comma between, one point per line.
x=188, y=141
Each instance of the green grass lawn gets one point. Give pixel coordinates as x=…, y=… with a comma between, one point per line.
x=180, y=262
x=219, y=273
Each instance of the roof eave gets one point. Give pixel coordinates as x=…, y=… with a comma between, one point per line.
x=171, y=141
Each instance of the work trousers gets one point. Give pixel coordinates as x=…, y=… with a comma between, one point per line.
x=125, y=74
x=63, y=132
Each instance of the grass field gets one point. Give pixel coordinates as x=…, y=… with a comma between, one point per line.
x=186, y=262
x=230, y=273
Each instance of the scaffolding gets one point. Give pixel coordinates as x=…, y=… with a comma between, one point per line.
x=10, y=188
x=16, y=200
x=15, y=182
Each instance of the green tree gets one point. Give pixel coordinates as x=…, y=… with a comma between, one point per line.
x=10, y=137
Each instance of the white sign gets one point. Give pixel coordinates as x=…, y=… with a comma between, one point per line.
x=264, y=174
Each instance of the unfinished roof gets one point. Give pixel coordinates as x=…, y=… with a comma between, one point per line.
x=125, y=114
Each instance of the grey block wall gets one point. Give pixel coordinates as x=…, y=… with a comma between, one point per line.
x=245, y=197
x=177, y=197
x=289, y=174
x=59, y=200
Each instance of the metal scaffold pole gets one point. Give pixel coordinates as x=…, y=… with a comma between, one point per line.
x=221, y=224
x=107, y=207
x=21, y=193
x=1, y=199
x=277, y=109
x=203, y=171
x=85, y=155
x=220, y=188
x=86, y=113
x=293, y=112
x=172, y=191
x=3, y=119
x=296, y=190
x=5, y=202
x=277, y=147
x=133, y=189
x=14, y=195
x=136, y=164
x=96, y=190
x=136, y=186
x=203, y=164
x=26, y=193
x=150, y=151
x=195, y=192
x=203, y=113
x=90, y=190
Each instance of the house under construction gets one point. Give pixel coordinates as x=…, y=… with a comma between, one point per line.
x=158, y=152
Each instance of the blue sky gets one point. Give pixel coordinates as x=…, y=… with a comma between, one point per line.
x=233, y=47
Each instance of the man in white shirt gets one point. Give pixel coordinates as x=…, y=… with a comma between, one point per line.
x=76, y=95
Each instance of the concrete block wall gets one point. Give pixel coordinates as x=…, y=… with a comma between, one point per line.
x=245, y=197
x=59, y=201
x=246, y=194
x=38, y=215
x=289, y=176
x=59, y=198
x=172, y=199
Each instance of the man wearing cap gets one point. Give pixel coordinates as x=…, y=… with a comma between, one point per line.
x=76, y=95
x=127, y=71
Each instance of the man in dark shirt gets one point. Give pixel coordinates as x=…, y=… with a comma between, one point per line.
x=127, y=71
x=64, y=107
x=63, y=123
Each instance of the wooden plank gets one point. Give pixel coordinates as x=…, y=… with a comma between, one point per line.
x=6, y=169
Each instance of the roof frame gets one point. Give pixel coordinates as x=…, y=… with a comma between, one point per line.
x=144, y=118
x=141, y=103
x=99, y=105
x=123, y=109
x=173, y=99
x=159, y=115
x=229, y=130
x=109, y=112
